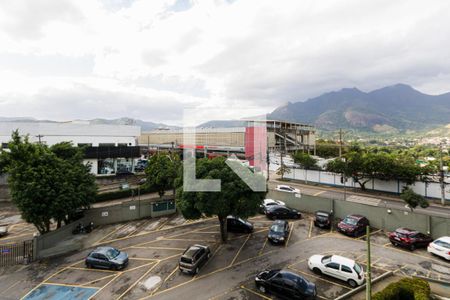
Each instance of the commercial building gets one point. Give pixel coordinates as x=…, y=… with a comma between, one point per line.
x=110, y=149
x=271, y=135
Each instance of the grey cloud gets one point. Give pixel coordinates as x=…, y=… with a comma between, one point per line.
x=82, y=102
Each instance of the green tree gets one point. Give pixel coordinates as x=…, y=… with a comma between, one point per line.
x=45, y=186
x=161, y=172
x=235, y=197
x=413, y=199
x=283, y=170
x=305, y=160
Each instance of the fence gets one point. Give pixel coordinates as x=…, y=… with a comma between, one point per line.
x=16, y=253
x=384, y=218
x=426, y=189
x=61, y=241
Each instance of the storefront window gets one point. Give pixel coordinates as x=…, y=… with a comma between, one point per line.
x=106, y=166
x=124, y=165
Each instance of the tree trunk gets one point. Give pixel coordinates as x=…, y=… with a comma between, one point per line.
x=58, y=224
x=223, y=228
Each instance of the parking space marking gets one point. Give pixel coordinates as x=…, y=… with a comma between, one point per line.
x=411, y=253
x=99, y=279
x=255, y=293
x=10, y=287
x=71, y=285
x=88, y=269
x=190, y=240
x=138, y=267
x=165, y=280
x=239, y=251
x=310, y=229
x=264, y=245
x=289, y=236
x=103, y=287
x=155, y=248
x=318, y=193
x=137, y=281
x=104, y=239
x=320, y=278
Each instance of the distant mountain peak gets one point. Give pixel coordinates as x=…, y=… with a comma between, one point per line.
x=397, y=107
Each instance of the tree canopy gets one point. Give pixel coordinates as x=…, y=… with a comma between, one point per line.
x=47, y=184
x=305, y=160
x=365, y=166
x=162, y=171
x=235, y=197
x=413, y=199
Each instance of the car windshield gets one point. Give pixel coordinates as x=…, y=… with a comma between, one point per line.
x=277, y=228
x=350, y=221
x=326, y=259
x=442, y=244
x=112, y=253
x=357, y=268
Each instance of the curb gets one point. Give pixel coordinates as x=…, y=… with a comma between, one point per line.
x=432, y=280
x=362, y=287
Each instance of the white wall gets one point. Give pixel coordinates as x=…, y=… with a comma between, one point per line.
x=78, y=133
x=432, y=189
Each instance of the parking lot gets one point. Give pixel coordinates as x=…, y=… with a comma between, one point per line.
x=154, y=247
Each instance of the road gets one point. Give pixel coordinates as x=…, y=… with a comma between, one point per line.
x=340, y=194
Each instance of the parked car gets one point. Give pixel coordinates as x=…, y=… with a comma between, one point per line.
x=3, y=230
x=285, y=284
x=440, y=247
x=338, y=267
x=107, y=258
x=409, y=238
x=235, y=224
x=322, y=219
x=282, y=212
x=278, y=232
x=353, y=225
x=269, y=202
x=287, y=189
x=193, y=258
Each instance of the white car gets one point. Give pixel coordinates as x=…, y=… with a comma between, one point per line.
x=270, y=202
x=338, y=267
x=287, y=189
x=440, y=247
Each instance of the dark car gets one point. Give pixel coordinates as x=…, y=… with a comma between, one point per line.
x=322, y=219
x=353, y=225
x=278, y=232
x=107, y=258
x=282, y=212
x=193, y=258
x=235, y=224
x=409, y=238
x=285, y=284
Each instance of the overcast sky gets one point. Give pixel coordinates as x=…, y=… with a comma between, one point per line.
x=62, y=59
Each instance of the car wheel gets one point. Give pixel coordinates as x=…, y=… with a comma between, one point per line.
x=352, y=283
x=114, y=268
x=317, y=271
x=196, y=271
x=88, y=265
x=412, y=247
x=262, y=289
x=209, y=255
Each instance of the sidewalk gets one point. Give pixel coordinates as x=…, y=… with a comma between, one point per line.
x=358, y=192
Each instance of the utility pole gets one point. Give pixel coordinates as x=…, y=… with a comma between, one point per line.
x=340, y=142
x=39, y=136
x=441, y=173
x=369, y=271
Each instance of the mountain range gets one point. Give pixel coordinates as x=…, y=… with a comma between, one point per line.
x=391, y=109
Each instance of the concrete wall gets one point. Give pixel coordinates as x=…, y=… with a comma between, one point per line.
x=62, y=241
x=430, y=189
x=378, y=216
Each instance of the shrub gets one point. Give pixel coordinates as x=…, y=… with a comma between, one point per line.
x=405, y=289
